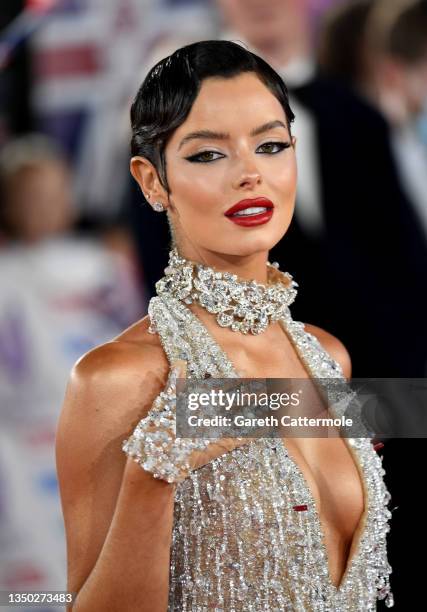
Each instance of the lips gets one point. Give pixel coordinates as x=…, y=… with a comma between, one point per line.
x=249, y=212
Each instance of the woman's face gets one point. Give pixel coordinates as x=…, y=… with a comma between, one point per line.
x=233, y=146
x=249, y=154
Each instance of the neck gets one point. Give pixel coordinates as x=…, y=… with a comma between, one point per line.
x=246, y=267
x=242, y=304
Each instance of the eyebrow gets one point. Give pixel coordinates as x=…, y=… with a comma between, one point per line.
x=199, y=134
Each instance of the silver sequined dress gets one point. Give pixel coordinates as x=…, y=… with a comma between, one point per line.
x=238, y=543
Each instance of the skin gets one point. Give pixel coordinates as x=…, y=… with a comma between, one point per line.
x=38, y=202
x=397, y=87
x=200, y=193
x=111, y=506
x=278, y=29
x=402, y=89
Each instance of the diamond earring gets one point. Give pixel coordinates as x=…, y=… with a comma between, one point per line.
x=158, y=206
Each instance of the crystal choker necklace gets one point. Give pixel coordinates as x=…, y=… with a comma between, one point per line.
x=241, y=305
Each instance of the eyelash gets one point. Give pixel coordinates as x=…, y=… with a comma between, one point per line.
x=195, y=158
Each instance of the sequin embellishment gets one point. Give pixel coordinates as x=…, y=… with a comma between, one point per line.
x=238, y=543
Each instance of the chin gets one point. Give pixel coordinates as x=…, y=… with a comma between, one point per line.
x=261, y=241
x=249, y=246
x=241, y=242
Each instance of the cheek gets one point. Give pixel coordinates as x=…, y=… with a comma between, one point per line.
x=199, y=191
x=417, y=86
x=283, y=179
x=202, y=190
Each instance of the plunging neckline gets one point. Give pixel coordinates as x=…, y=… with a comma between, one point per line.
x=360, y=530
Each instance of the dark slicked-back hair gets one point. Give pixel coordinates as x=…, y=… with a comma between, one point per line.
x=167, y=94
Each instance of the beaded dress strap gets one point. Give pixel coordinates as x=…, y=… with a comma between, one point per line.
x=184, y=337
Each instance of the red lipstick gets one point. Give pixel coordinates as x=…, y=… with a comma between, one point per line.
x=248, y=217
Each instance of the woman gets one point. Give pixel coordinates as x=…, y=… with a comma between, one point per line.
x=261, y=525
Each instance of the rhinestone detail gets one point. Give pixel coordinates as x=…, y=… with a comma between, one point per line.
x=243, y=306
x=237, y=541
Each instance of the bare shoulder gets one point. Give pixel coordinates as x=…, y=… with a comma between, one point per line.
x=132, y=348
x=110, y=386
x=333, y=346
x=109, y=390
x=134, y=353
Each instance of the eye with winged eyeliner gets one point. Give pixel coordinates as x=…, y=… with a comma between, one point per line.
x=197, y=157
x=261, y=129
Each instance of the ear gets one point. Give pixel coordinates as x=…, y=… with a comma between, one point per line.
x=146, y=175
x=294, y=142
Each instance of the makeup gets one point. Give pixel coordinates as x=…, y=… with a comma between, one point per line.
x=251, y=212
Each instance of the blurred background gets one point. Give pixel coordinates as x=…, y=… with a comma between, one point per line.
x=80, y=249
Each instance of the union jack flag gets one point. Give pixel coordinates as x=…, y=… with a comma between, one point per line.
x=88, y=60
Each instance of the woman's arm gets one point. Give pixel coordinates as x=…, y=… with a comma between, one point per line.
x=118, y=518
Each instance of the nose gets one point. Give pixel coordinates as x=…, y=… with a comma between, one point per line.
x=248, y=176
